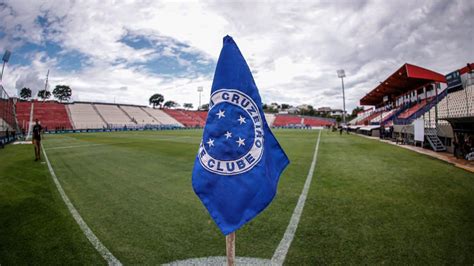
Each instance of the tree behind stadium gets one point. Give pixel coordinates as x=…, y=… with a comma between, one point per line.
x=156, y=100
x=44, y=94
x=25, y=93
x=170, y=104
x=62, y=92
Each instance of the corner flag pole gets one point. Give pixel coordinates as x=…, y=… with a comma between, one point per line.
x=230, y=248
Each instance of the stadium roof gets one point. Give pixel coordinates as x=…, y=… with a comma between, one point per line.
x=467, y=68
x=406, y=78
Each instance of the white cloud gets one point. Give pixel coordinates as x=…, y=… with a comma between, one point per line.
x=292, y=48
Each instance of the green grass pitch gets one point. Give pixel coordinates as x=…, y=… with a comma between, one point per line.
x=369, y=203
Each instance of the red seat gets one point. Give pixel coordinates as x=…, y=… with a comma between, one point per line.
x=285, y=120
x=52, y=115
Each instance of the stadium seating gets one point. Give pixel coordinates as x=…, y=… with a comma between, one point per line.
x=139, y=115
x=52, y=115
x=202, y=115
x=270, y=119
x=162, y=117
x=4, y=125
x=197, y=116
x=186, y=118
x=83, y=116
x=366, y=120
x=23, y=109
x=385, y=115
x=316, y=122
x=285, y=120
x=6, y=114
x=360, y=116
x=456, y=104
x=413, y=109
x=113, y=115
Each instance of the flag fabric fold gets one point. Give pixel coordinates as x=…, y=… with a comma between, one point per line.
x=239, y=161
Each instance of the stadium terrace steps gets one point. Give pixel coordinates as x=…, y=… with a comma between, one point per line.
x=163, y=117
x=386, y=115
x=145, y=110
x=289, y=120
x=52, y=115
x=85, y=116
x=187, y=118
x=202, y=115
x=286, y=120
x=316, y=122
x=368, y=118
x=129, y=117
x=69, y=116
x=139, y=115
x=113, y=115
x=360, y=117
x=23, y=110
x=100, y=115
x=270, y=119
x=455, y=104
x=412, y=110
x=7, y=113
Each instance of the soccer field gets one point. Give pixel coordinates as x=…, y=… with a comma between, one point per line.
x=368, y=203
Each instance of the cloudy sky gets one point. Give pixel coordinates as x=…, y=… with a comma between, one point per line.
x=128, y=50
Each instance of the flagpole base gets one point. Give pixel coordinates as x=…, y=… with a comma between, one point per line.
x=230, y=248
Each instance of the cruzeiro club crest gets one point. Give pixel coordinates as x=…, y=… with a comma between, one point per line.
x=233, y=137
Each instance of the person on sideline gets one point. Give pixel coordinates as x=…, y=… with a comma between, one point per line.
x=37, y=139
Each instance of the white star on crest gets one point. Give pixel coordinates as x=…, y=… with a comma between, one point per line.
x=228, y=135
x=210, y=142
x=241, y=120
x=240, y=142
x=220, y=114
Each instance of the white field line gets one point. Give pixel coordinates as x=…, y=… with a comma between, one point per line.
x=285, y=243
x=78, y=146
x=106, y=254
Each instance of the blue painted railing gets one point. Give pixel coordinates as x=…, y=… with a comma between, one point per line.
x=421, y=111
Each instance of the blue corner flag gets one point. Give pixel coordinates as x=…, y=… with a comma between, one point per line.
x=239, y=161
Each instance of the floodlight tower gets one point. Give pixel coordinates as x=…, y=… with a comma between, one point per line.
x=200, y=89
x=342, y=74
x=6, y=57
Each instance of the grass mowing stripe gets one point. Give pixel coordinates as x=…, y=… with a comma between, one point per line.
x=282, y=249
x=113, y=143
x=106, y=254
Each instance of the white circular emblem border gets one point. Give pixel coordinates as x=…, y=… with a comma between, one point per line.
x=247, y=161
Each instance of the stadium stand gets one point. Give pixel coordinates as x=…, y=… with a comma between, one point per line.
x=444, y=103
x=316, y=121
x=286, y=120
x=386, y=115
x=270, y=119
x=360, y=116
x=413, y=109
x=186, y=118
x=455, y=104
x=202, y=115
x=84, y=116
x=8, y=126
x=23, y=111
x=52, y=115
x=138, y=115
x=113, y=115
x=369, y=118
x=197, y=116
x=162, y=117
